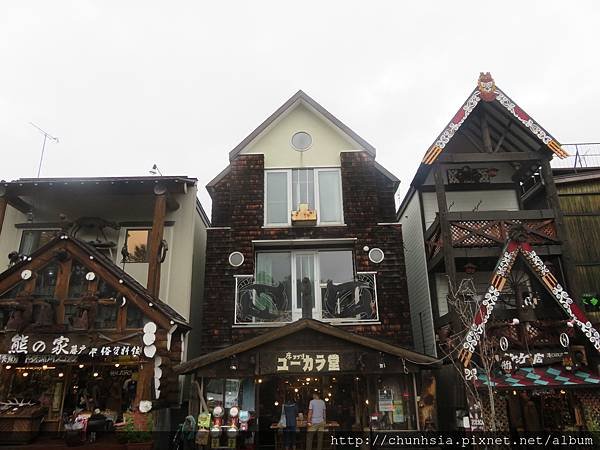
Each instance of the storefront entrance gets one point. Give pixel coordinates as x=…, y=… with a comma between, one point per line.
x=544, y=410
x=67, y=390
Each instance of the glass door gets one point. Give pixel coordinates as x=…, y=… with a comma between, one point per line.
x=304, y=292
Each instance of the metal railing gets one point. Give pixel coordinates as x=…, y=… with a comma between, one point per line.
x=584, y=155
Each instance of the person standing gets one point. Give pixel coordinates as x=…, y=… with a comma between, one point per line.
x=316, y=421
x=289, y=432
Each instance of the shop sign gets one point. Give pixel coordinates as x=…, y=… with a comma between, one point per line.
x=9, y=359
x=476, y=417
x=308, y=362
x=121, y=372
x=21, y=344
x=45, y=359
x=511, y=361
x=386, y=400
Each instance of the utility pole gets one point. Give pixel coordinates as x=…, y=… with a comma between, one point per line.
x=46, y=137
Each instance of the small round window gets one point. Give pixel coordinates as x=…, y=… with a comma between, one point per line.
x=236, y=259
x=301, y=141
x=376, y=255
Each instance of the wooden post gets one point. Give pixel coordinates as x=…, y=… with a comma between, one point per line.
x=561, y=231
x=3, y=204
x=155, y=239
x=485, y=133
x=62, y=289
x=446, y=235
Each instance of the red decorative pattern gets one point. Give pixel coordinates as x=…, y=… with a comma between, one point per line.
x=501, y=272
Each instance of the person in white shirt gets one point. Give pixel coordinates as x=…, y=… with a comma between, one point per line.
x=316, y=421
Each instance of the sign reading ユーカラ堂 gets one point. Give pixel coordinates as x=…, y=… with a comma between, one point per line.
x=306, y=362
x=60, y=348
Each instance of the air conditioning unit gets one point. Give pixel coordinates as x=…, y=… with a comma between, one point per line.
x=304, y=216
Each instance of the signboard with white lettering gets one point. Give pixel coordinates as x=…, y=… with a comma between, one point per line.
x=306, y=362
x=52, y=349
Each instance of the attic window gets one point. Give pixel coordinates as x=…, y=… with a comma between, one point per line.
x=301, y=141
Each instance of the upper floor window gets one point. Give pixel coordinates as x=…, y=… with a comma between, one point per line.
x=288, y=190
x=321, y=284
x=136, y=244
x=31, y=240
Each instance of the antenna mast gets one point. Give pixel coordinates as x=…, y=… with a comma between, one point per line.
x=46, y=137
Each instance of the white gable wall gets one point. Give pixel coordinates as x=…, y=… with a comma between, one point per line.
x=327, y=141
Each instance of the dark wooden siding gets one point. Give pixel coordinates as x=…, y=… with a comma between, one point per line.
x=368, y=200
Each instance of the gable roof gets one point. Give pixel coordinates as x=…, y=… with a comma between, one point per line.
x=490, y=94
x=90, y=257
x=298, y=97
x=302, y=324
x=511, y=251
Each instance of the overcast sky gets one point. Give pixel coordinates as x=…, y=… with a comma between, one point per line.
x=126, y=84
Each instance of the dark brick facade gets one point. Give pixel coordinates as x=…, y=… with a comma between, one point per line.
x=238, y=213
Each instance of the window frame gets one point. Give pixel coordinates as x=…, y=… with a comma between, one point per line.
x=317, y=310
x=316, y=171
x=41, y=229
x=125, y=243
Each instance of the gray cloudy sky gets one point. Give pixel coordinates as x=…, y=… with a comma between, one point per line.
x=125, y=84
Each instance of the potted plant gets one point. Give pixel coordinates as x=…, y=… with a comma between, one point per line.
x=136, y=431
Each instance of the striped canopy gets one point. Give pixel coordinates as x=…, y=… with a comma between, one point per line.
x=542, y=377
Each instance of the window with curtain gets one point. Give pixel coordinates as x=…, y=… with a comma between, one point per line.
x=277, y=208
x=330, y=196
x=286, y=190
x=303, y=188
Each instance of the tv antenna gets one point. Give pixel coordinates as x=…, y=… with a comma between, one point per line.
x=155, y=170
x=46, y=137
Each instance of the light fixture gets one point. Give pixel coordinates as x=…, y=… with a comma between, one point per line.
x=45, y=367
x=276, y=403
x=514, y=392
x=260, y=380
x=316, y=390
x=95, y=374
x=296, y=390
x=8, y=367
x=233, y=363
x=81, y=366
x=307, y=378
x=366, y=401
x=117, y=364
x=563, y=392
x=326, y=399
x=60, y=375
x=25, y=374
x=329, y=395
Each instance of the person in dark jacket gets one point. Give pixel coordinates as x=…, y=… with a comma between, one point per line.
x=291, y=411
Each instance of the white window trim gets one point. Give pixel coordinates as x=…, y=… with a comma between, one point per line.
x=318, y=200
x=316, y=172
x=317, y=292
x=288, y=173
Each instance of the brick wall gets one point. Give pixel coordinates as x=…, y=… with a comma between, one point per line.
x=238, y=204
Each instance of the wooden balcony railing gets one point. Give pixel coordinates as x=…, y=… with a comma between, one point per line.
x=491, y=229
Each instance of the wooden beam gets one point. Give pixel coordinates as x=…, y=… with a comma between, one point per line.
x=444, y=225
x=489, y=157
x=471, y=138
x=155, y=240
x=531, y=214
x=3, y=204
x=61, y=290
x=485, y=133
x=501, y=139
x=20, y=205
